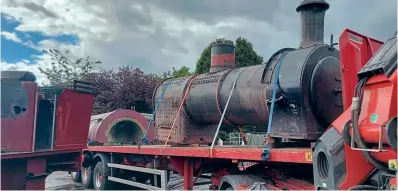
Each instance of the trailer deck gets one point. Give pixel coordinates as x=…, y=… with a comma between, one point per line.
x=289, y=155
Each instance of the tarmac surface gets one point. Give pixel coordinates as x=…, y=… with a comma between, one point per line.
x=63, y=181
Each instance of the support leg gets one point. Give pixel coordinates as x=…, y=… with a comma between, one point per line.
x=36, y=174
x=188, y=174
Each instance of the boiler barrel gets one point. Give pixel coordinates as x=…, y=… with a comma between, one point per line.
x=248, y=105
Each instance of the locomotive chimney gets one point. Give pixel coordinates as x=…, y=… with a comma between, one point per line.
x=222, y=57
x=312, y=14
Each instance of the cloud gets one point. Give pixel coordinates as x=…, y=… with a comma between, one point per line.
x=159, y=35
x=11, y=36
x=25, y=66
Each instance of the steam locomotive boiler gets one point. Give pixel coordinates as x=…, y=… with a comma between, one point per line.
x=301, y=84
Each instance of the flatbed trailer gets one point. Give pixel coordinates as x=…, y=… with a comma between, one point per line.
x=187, y=161
x=284, y=155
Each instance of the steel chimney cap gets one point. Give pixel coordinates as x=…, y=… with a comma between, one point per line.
x=312, y=3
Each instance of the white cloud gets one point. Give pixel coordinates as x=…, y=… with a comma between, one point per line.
x=24, y=66
x=11, y=36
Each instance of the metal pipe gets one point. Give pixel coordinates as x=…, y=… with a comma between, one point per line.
x=222, y=57
x=312, y=13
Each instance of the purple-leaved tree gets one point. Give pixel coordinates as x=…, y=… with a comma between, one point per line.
x=126, y=88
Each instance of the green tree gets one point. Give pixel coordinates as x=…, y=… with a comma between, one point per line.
x=63, y=70
x=182, y=72
x=244, y=55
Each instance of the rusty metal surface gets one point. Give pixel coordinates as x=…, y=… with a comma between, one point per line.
x=222, y=57
x=248, y=101
x=18, y=100
x=206, y=99
x=103, y=126
x=307, y=98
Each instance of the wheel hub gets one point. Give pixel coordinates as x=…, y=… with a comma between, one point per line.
x=85, y=174
x=98, y=178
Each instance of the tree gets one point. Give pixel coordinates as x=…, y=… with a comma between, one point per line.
x=176, y=73
x=63, y=70
x=104, y=99
x=126, y=88
x=182, y=72
x=244, y=55
x=132, y=85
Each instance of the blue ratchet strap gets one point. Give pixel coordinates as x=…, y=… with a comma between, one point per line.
x=267, y=153
x=145, y=138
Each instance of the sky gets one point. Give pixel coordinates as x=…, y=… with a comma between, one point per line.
x=156, y=35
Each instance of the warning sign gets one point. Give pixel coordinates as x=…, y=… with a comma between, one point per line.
x=392, y=164
x=308, y=156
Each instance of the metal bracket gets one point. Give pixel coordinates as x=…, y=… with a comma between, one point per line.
x=380, y=144
x=84, y=87
x=31, y=176
x=155, y=172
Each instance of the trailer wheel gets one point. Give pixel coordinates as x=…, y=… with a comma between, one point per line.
x=226, y=186
x=76, y=176
x=101, y=181
x=87, y=177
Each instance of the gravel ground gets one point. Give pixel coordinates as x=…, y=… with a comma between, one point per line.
x=62, y=181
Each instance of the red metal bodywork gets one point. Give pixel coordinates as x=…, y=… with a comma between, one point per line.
x=13, y=130
x=221, y=59
x=355, y=51
x=379, y=97
x=286, y=155
x=73, y=111
x=25, y=167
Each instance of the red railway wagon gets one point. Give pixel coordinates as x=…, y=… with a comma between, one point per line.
x=42, y=129
x=330, y=119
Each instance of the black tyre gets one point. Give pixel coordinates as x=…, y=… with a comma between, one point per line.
x=226, y=186
x=101, y=181
x=87, y=177
x=76, y=176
